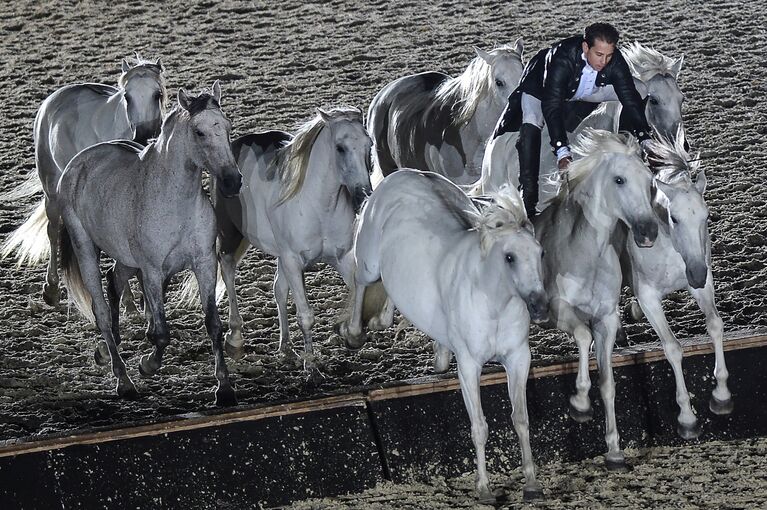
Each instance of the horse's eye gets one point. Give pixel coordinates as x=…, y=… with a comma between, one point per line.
x=653, y=100
x=199, y=133
x=674, y=220
x=340, y=149
x=499, y=83
x=509, y=258
x=620, y=181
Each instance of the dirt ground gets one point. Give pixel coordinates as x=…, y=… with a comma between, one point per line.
x=714, y=475
x=279, y=61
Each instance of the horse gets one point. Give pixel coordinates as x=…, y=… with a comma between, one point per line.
x=679, y=259
x=656, y=78
x=69, y=120
x=608, y=185
x=145, y=208
x=431, y=121
x=470, y=280
x=299, y=203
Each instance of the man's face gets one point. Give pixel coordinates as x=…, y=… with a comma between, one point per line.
x=599, y=55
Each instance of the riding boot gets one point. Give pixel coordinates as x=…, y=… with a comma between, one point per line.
x=529, y=149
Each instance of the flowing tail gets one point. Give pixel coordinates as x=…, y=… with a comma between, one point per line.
x=73, y=279
x=29, y=187
x=188, y=295
x=30, y=240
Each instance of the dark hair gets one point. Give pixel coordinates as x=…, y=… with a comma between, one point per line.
x=603, y=31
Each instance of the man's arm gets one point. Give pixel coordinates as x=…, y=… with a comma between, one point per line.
x=555, y=92
x=633, y=106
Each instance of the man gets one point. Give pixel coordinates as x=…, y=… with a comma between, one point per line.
x=559, y=87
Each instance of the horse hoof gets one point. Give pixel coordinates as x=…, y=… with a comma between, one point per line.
x=581, y=416
x=353, y=342
x=225, y=397
x=145, y=367
x=235, y=353
x=721, y=407
x=689, y=432
x=51, y=295
x=486, y=497
x=532, y=494
x=127, y=390
x=101, y=354
x=618, y=465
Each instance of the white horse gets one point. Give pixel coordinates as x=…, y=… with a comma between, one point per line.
x=69, y=120
x=431, y=121
x=679, y=259
x=655, y=77
x=470, y=280
x=299, y=202
x=608, y=185
x=147, y=210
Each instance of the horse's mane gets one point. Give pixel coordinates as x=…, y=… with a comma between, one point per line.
x=646, y=62
x=465, y=92
x=141, y=68
x=672, y=162
x=505, y=211
x=591, y=145
x=177, y=113
x=292, y=160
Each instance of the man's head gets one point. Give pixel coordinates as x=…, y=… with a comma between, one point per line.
x=599, y=40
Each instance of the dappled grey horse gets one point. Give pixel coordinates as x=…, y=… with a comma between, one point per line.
x=146, y=209
x=69, y=120
x=655, y=77
x=431, y=121
x=470, y=280
x=610, y=184
x=298, y=203
x=679, y=259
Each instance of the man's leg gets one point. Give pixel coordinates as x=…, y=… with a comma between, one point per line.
x=529, y=149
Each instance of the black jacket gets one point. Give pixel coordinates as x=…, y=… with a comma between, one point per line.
x=552, y=76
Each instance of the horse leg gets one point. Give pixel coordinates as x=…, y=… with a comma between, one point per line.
x=469, y=372
x=385, y=318
x=117, y=279
x=442, y=356
x=157, y=327
x=51, y=292
x=351, y=330
x=517, y=366
x=580, y=404
x=721, y=398
x=294, y=273
x=650, y=302
x=88, y=262
x=604, y=331
x=281, y=290
x=233, y=341
x=206, y=271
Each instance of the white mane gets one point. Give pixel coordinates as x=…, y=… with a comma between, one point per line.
x=646, y=62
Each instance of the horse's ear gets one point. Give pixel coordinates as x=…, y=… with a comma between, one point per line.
x=125, y=66
x=487, y=57
x=518, y=46
x=183, y=99
x=324, y=115
x=700, y=182
x=159, y=64
x=677, y=66
x=217, y=91
x=664, y=188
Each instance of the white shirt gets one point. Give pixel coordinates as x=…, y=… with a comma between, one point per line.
x=587, y=85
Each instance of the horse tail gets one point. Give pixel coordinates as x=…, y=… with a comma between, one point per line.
x=73, y=279
x=378, y=123
x=30, y=240
x=189, y=294
x=29, y=187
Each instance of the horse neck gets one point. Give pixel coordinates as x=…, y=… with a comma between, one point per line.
x=322, y=184
x=169, y=163
x=485, y=116
x=112, y=113
x=583, y=216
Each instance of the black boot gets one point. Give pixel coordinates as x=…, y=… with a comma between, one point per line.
x=529, y=149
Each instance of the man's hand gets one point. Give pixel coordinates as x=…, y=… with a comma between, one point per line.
x=564, y=163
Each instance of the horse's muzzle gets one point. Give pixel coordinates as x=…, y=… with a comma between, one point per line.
x=538, y=307
x=696, y=275
x=645, y=232
x=230, y=185
x=359, y=195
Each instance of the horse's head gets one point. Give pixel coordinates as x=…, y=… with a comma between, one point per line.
x=508, y=243
x=505, y=70
x=144, y=92
x=349, y=145
x=208, y=132
x=659, y=76
x=683, y=208
x=620, y=182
